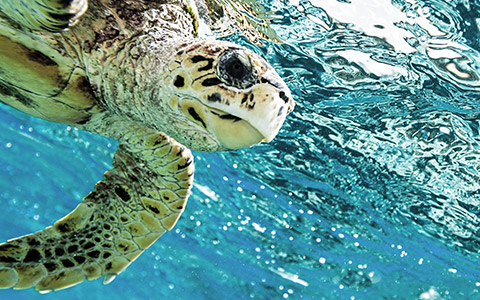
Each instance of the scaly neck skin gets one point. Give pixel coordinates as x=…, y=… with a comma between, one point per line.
x=133, y=82
x=128, y=72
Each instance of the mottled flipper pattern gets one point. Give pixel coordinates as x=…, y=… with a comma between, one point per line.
x=138, y=200
x=44, y=15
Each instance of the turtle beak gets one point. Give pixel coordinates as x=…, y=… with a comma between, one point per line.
x=261, y=122
x=252, y=117
x=272, y=105
x=237, y=135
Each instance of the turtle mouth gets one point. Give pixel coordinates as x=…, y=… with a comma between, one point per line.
x=232, y=132
x=229, y=131
x=226, y=116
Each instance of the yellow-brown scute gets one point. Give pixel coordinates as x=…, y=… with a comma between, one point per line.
x=24, y=65
x=38, y=79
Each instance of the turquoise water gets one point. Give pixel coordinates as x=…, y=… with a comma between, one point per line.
x=370, y=191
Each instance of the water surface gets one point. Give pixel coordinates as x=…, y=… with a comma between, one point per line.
x=370, y=191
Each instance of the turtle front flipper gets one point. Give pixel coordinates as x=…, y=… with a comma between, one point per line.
x=44, y=15
x=138, y=200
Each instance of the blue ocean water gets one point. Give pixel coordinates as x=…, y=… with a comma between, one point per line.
x=370, y=191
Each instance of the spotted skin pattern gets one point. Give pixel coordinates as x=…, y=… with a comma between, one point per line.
x=137, y=201
x=134, y=71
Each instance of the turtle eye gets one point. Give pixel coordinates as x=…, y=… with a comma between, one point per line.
x=234, y=69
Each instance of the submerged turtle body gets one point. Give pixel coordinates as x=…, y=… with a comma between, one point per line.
x=138, y=72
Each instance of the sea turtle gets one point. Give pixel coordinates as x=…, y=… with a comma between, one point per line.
x=136, y=71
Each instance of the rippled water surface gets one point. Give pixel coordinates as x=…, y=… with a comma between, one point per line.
x=370, y=191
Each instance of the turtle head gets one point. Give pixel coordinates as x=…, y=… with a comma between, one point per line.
x=233, y=96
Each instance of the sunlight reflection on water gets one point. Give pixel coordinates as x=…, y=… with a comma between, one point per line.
x=370, y=190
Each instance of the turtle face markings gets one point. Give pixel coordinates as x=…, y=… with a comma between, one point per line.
x=199, y=58
x=283, y=96
x=192, y=112
x=215, y=97
x=278, y=85
x=179, y=81
x=211, y=82
x=227, y=117
x=239, y=99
